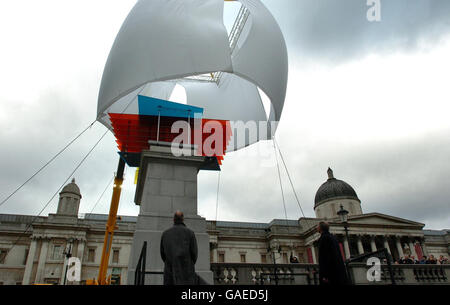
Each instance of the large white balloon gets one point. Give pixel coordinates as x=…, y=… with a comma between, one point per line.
x=162, y=43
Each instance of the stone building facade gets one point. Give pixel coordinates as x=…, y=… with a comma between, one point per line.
x=39, y=255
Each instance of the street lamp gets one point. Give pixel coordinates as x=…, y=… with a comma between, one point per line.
x=343, y=215
x=272, y=251
x=68, y=253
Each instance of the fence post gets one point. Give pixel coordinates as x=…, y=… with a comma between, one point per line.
x=388, y=261
x=139, y=274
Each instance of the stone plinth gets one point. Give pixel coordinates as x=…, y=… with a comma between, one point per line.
x=165, y=184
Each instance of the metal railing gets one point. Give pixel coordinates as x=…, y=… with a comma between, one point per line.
x=265, y=274
x=308, y=274
x=383, y=253
x=140, y=273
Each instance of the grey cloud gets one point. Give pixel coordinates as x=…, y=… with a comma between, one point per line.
x=34, y=132
x=408, y=178
x=335, y=31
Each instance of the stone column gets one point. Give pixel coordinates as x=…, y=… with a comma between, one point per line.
x=398, y=243
x=80, y=250
x=63, y=271
x=42, y=259
x=424, y=247
x=213, y=247
x=313, y=253
x=360, y=245
x=346, y=248
x=412, y=247
x=316, y=253
x=29, y=264
x=386, y=245
x=373, y=244
x=167, y=183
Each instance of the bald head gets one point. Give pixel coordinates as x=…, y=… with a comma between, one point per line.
x=323, y=227
x=178, y=217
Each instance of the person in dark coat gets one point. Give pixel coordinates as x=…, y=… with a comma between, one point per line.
x=332, y=270
x=179, y=253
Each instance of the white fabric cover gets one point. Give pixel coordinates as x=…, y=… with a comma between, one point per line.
x=262, y=58
x=220, y=102
x=129, y=103
x=162, y=41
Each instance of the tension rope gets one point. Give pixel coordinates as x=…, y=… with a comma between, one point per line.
x=71, y=174
x=217, y=195
x=289, y=178
x=57, y=191
x=292, y=184
x=101, y=196
x=46, y=164
x=281, y=184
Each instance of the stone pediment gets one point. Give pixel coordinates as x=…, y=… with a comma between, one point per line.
x=382, y=219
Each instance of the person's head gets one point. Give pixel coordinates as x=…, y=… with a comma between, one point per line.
x=431, y=256
x=323, y=227
x=178, y=217
x=424, y=257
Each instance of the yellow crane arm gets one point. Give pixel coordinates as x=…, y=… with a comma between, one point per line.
x=110, y=227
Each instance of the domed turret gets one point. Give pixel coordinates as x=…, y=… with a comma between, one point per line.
x=332, y=194
x=71, y=188
x=69, y=200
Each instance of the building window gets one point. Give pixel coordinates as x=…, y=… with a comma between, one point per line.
x=91, y=255
x=57, y=252
x=221, y=257
x=243, y=258
x=116, y=276
x=115, y=257
x=3, y=253
x=263, y=258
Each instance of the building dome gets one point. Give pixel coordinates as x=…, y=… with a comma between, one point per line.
x=69, y=200
x=71, y=188
x=334, y=189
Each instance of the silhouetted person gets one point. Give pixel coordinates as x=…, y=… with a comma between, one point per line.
x=331, y=265
x=423, y=260
x=179, y=253
x=431, y=260
x=408, y=260
x=293, y=259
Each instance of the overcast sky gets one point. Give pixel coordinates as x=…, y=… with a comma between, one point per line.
x=369, y=99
